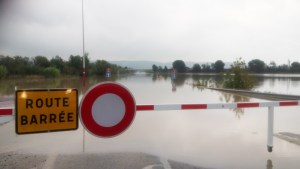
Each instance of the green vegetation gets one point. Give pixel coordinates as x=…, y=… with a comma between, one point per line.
x=3, y=71
x=154, y=68
x=238, y=77
x=253, y=66
x=159, y=69
x=56, y=66
x=295, y=67
x=196, y=68
x=51, y=72
x=218, y=66
x=259, y=66
x=179, y=66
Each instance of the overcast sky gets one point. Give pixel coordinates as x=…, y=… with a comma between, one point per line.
x=158, y=30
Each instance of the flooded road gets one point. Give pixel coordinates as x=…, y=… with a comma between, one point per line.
x=222, y=139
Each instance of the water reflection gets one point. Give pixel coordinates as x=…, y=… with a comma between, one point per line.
x=158, y=77
x=207, y=80
x=231, y=98
x=284, y=84
x=180, y=80
x=173, y=85
x=269, y=164
x=7, y=86
x=201, y=82
x=277, y=84
x=177, y=82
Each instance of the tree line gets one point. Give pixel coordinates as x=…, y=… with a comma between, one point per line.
x=41, y=65
x=253, y=66
x=259, y=66
x=180, y=67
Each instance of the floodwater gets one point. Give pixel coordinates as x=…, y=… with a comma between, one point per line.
x=223, y=139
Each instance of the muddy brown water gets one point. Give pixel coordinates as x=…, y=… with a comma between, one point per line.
x=209, y=138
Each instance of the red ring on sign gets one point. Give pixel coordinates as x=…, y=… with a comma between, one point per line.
x=97, y=91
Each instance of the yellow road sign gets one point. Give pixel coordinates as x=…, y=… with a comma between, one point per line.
x=46, y=110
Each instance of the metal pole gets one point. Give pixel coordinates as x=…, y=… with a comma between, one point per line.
x=270, y=128
x=83, y=47
x=83, y=73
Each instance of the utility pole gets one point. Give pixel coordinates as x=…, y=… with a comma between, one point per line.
x=83, y=47
x=83, y=73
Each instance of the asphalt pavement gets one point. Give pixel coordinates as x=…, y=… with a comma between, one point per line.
x=89, y=161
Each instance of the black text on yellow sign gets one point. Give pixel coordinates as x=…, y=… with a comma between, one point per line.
x=46, y=110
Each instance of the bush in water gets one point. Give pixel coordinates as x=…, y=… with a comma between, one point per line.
x=51, y=72
x=238, y=77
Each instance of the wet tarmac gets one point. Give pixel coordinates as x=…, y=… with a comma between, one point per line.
x=89, y=161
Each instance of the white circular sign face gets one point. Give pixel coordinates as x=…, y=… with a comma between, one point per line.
x=108, y=110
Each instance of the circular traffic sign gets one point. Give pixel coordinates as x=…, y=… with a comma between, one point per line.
x=107, y=109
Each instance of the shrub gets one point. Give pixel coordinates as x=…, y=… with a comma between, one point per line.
x=51, y=72
x=238, y=77
x=3, y=72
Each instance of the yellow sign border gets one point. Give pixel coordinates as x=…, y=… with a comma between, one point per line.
x=45, y=90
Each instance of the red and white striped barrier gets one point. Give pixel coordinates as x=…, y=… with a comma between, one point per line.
x=215, y=106
x=6, y=111
x=162, y=107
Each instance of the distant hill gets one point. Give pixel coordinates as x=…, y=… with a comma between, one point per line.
x=140, y=64
x=148, y=64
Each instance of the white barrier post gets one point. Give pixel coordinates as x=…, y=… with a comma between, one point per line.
x=270, y=128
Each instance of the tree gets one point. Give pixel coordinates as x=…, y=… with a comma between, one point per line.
x=283, y=68
x=257, y=66
x=160, y=69
x=179, y=65
x=238, y=77
x=75, y=63
x=218, y=66
x=154, y=68
x=206, y=68
x=8, y=62
x=41, y=61
x=295, y=67
x=101, y=66
x=19, y=65
x=272, y=67
x=3, y=71
x=57, y=62
x=196, y=68
x=165, y=69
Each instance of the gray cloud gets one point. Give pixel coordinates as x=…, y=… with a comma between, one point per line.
x=192, y=30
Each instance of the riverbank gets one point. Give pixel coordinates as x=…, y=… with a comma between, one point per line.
x=290, y=137
x=259, y=95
